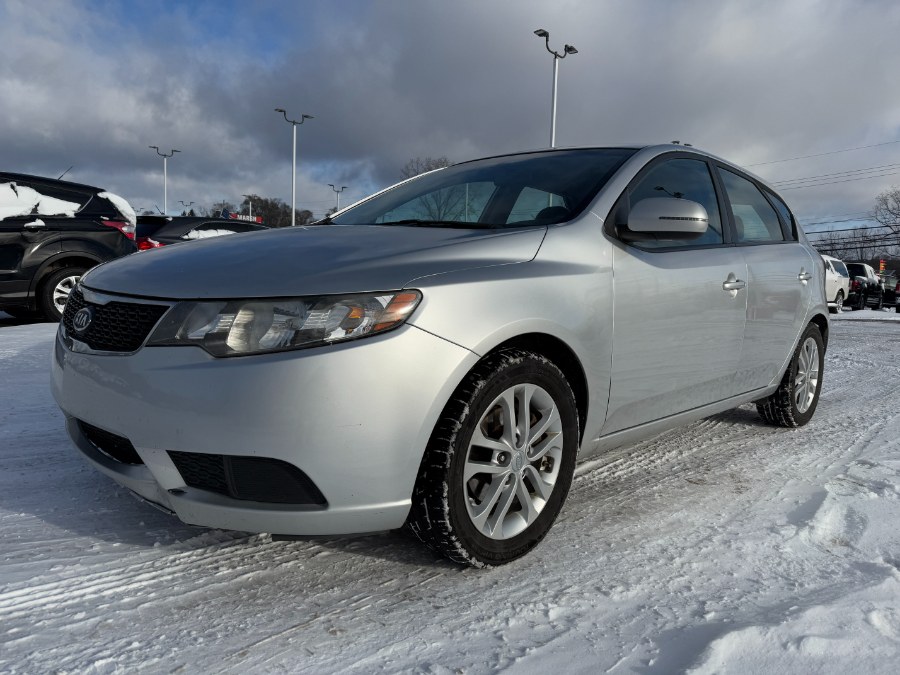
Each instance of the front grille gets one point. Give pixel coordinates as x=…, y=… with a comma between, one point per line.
x=115, y=326
x=118, y=448
x=257, y=479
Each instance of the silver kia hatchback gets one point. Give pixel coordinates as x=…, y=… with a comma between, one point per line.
x=440, y=354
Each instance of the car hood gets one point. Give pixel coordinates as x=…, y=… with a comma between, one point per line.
x=310, y=261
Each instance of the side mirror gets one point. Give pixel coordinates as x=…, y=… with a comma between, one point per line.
x=666, y=218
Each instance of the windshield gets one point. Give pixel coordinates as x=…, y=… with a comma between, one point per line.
x=538, y=188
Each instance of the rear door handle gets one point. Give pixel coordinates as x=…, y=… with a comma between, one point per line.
x=734, y=285
x=804, y=276
x=34, y=226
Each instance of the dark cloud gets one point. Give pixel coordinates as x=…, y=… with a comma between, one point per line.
x=94, y=86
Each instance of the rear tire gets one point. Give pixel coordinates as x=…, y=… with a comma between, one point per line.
x=55, y=291
x=838, y=303
x=499, y=463
x=879, y=304
x=795, y=400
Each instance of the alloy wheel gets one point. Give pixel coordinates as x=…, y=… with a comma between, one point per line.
x=62, y=290
x=513, y=461
x=806, y=381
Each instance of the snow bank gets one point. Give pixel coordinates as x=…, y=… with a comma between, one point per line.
x=20, y=200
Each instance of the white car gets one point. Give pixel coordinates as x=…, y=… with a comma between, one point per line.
x=837, y=283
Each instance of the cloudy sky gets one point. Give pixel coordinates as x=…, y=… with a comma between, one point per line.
x=93, y=84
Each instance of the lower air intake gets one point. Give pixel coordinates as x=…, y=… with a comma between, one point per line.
x=118, y=448
x=255, y=479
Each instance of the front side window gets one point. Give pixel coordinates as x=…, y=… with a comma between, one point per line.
x=529, y=189
x=682, y=179
x=533, y=204
x=755, y=221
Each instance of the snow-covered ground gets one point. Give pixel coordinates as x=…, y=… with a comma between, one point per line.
x=725, y=546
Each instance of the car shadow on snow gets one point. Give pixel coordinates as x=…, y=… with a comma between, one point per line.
x=7, y=320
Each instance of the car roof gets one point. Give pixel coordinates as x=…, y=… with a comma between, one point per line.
x=648, y=150
x=9, y=177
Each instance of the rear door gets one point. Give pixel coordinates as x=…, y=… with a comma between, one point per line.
x=780, y=276
x=678, y=331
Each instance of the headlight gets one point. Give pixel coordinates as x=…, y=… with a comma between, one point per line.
x=239, y=327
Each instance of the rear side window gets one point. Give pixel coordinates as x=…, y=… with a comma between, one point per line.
x=856, y=269
x=19, y=198
x=755, y=221
x=788, y=224
x=682, y=179
x=840, y=268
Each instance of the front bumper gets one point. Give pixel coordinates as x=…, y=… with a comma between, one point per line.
x=355, y=418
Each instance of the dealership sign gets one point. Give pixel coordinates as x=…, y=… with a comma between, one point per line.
x=249, y=219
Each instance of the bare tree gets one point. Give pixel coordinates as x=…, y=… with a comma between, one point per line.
x=887, y=210
x=418, y=165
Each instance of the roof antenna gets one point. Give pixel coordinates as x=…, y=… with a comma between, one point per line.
x=65, y=172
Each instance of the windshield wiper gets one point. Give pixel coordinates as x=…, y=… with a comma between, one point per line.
x=418, y=222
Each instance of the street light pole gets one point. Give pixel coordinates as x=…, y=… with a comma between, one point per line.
x=165, y=175
x=568, y=49
x=294, y=124
x=250, y=203
x=337, y=194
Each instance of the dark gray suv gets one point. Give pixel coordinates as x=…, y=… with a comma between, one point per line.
x=52, y=232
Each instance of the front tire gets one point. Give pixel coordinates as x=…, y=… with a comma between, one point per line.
x=879, y=304
x=55, y=291
x=795, y=400
x=499, y=463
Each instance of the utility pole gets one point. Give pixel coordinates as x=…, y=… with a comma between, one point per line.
x=568, y=49
x=294, y=124
x=165, y=175
x=337, y=194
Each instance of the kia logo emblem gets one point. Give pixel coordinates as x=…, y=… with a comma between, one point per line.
x=82, y=319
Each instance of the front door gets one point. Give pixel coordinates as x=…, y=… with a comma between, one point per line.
x=678, y=330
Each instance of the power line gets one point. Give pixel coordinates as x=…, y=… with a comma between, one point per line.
x=838, y=215
x=850, y=229
x=836, y=174
x=845, y=220
x=835, y=182
x=823, y=154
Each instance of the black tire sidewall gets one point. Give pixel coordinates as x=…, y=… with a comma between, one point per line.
x=492, y=551
x=45, y=302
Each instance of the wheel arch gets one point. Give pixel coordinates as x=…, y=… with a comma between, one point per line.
x=563, y=357
x=60, y=261
x=821, y=323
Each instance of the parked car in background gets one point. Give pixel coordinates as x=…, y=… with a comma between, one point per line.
x=158, y=231
x=51, y=233
x=837, y=283
x=866, y=289
x=892, y=290
x=439, y=354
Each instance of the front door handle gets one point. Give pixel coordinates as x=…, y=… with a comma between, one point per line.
x=733, y=285
x=34, y=225
x=804, y=276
